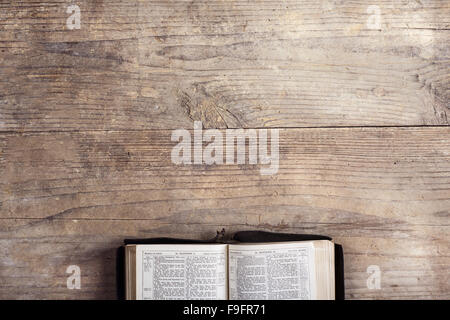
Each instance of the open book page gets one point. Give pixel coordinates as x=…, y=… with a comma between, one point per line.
x=272, y=271
x=181, y=272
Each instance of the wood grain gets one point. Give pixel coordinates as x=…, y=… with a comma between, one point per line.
x=71, y=197
x=86, y=117
x=162, y=64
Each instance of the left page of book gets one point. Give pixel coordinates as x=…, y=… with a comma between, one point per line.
x=171, y=272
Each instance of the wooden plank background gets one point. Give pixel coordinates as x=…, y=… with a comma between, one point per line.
x=86, y=117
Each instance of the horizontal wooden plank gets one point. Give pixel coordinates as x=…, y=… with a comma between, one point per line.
x=375, y=165
x=163, y=64
x=35, y=258
x=69, y=198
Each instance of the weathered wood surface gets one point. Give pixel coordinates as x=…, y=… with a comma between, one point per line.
x=160, y=64
x=70, y=198
x=86, y=117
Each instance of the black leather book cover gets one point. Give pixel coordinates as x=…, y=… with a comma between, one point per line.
x=242, y=237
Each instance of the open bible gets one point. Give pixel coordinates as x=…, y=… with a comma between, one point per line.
x=241, y=271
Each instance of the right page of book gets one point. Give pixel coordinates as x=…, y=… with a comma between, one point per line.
x=272, y=271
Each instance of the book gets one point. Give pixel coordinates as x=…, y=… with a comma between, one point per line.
x=287, y=270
